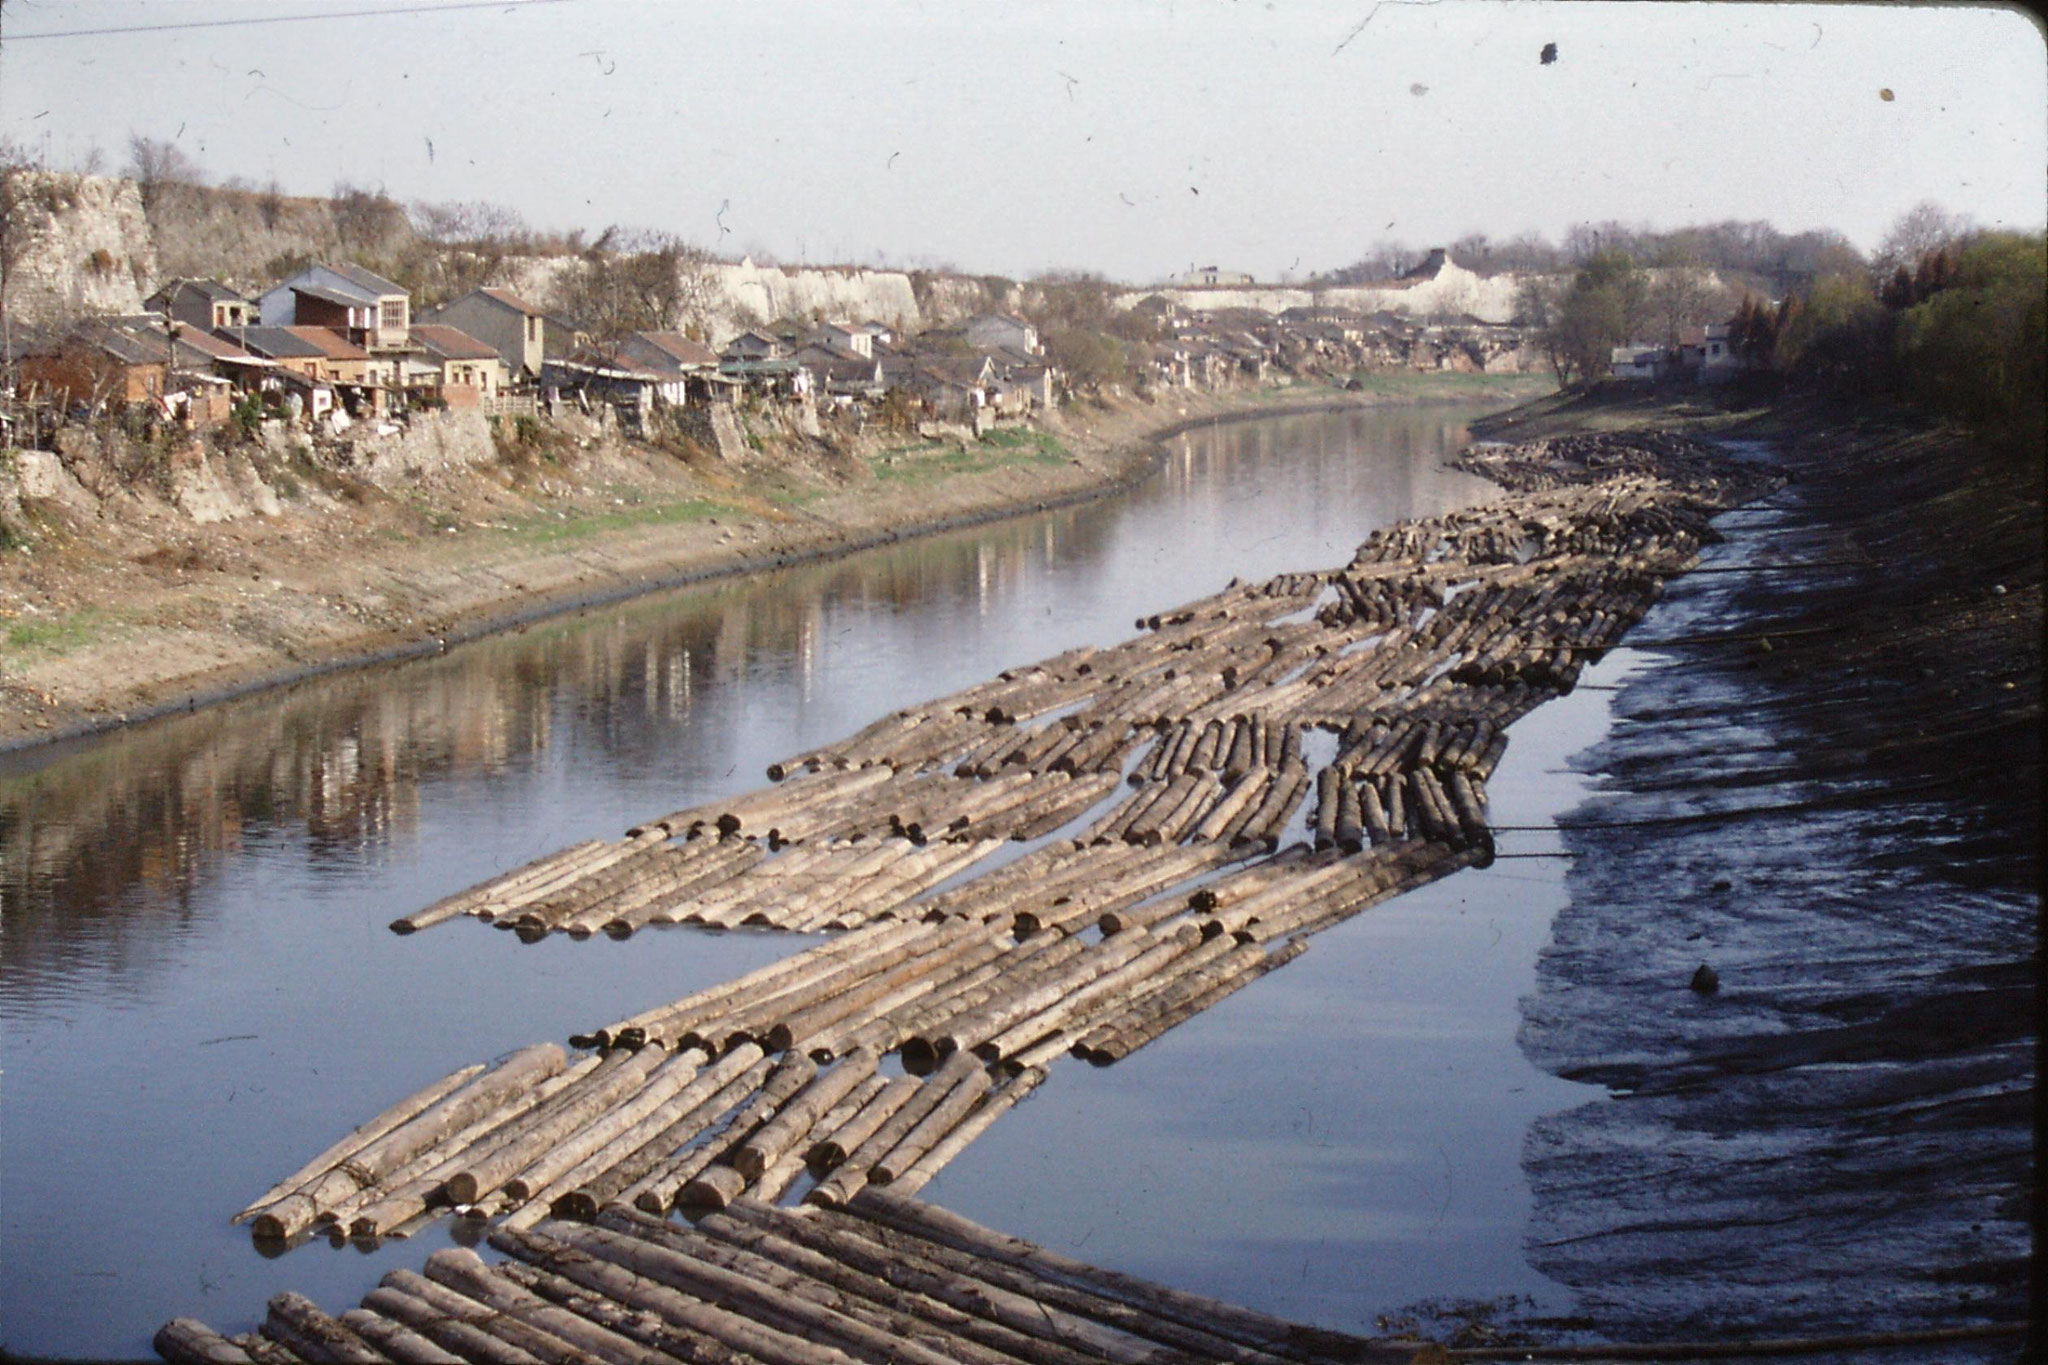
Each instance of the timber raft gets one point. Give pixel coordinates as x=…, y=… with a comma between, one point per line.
x=1192, y=804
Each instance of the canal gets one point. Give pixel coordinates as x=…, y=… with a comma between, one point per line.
x=197, y=988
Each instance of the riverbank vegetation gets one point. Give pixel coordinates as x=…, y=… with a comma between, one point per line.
x=1944, y=318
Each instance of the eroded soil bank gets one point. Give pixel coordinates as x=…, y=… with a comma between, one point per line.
x=126, y=607
x=1823, y=785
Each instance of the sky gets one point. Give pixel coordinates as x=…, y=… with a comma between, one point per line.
x=1134, y=139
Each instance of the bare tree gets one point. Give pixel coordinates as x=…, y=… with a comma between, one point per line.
x=364, y=218
x=17, y=209
x=639, y=281
x=1680, y=297
x=1925, y=227
x=468, y=222
x=157, y=165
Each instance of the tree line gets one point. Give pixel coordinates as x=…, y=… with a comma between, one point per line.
x=1944, y=316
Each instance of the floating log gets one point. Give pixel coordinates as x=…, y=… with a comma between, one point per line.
x=487, y=1170
x=395, y=1341
x=390, y=1207
x=796, y=1118
x=1005, y=1344
x=1228, y=1321
x=463, y=1272
x=993, y=1106
x=645, y=1326
x=602, y=1263
x=467, y=900
x=362, y=1136
x=185, y=1341
x=852, y=1173
x=918, y=1275
x=295, y=1323
x=927, y=1131
x=617, y=1169
x=674, y=1075
x=533, y=1343
x=481, y=1096
x=1124, y=1042
x=459, y=1338
x=669, y=1162
x=858, y=1127
x=640, y=1244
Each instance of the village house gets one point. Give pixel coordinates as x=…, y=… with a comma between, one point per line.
x=682, y=360
x=517, y=330
x=950, y=390
x=753, y=344
x=321, y=358
x=1636, y=362
x=842, y=377
x=466, y=372
x=376, y=313
x=1719, y=362
x=847, y=339
x=206, y=304
x=138, y=360
x=993, y=331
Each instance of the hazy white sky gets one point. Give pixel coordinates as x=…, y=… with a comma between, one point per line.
x=1134, y=139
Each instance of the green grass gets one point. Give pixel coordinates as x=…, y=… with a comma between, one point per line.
x=1005, y=448
x=57, y=634
x=543, y=529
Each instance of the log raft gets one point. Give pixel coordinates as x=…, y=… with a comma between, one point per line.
x=1157, y=784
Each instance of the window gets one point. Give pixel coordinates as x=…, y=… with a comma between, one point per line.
x=393, y=317
x=533, y=329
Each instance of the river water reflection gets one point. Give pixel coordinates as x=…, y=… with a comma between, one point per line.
x=197, y=989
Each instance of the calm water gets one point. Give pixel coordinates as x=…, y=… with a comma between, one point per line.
x=199, y=991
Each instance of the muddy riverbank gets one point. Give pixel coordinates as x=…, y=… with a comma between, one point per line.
x=132, y=612
x=1822, y=788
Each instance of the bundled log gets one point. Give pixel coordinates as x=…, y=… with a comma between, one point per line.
x=362, y=1136
x=1228, y=1321
x=617, y=1278
x=480, y=1097
x=186, y=1341
x=296, y=1324
x=795, y=1120
x=621, y=1168
x=1230, y=976
x=657, y=1188
x=977, y=1120
x=832, y=1150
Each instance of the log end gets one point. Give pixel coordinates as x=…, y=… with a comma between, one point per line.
x=577, y=1205
x=920, y=1056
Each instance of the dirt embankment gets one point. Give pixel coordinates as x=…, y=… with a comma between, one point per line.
x=128, y=598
